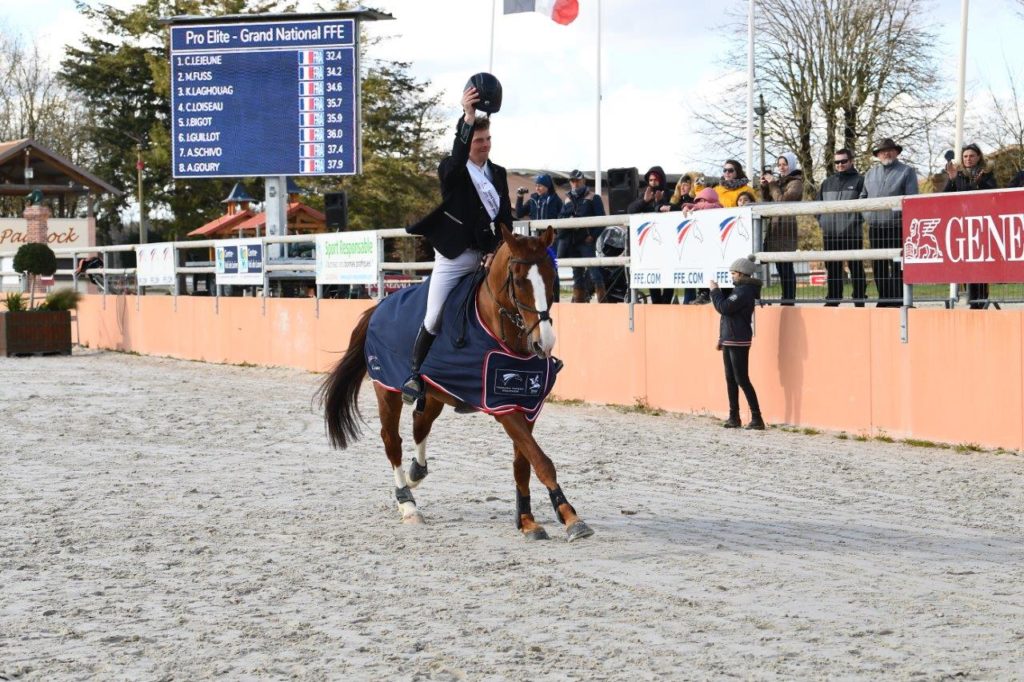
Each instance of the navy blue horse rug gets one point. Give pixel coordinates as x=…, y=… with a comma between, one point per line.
x=467, y=361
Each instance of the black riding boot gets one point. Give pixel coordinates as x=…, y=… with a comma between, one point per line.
x=412, y=389
x=733, y=422
x=756, y=422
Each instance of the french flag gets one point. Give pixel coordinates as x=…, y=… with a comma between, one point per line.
x=561, y=11
x=311, y=88
x=311, y=134
x=311, y=104
x=311, y=150
x=311, y=57
x=311, y=118
x=311, y=166
x=311, y=73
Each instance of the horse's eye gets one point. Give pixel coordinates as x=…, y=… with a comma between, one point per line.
x=521, y=281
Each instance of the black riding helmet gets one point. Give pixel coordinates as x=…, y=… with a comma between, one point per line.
x=489, y=89
x=612, y=241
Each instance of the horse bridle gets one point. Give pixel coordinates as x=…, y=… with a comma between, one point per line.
x=515, y=316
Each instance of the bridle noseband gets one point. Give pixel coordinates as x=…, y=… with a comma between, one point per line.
x=515, y=316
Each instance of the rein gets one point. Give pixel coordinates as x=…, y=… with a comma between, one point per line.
x=515, y=316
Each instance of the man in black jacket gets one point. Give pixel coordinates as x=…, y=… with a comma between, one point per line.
x=843, y=231
x=474, y=198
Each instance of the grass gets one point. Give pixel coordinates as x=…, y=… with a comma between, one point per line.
x=918, y=443
x=968, y=447
x=810, y=432
x=641, y=406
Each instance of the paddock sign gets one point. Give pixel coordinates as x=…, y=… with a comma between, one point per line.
x=964, y=237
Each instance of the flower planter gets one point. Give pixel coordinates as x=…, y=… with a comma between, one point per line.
x=37, y=332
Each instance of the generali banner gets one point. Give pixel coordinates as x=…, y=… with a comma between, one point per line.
x=964, y=237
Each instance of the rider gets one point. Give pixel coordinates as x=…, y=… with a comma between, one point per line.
x=474, y=198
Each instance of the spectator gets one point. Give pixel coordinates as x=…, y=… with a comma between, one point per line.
x=474, y=199
x=733, y=183
x=706, y=199
x=87, y=264
x=543, y=204
x=973, y=175
x=651, y=200
x=1018, y=180
x=843, y=231
x=781, y=234
x=735, y=334
x=580, y=202
x=746, y=199
x=890, y=178
x=682, y=195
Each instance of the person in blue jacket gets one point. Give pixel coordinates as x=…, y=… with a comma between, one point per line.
x=543, y=204
x=735, y=334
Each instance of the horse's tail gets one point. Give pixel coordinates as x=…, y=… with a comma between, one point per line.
x=339, y=393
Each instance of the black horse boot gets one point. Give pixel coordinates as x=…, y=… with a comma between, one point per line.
x=412, y=389
x=756, y=423
x=733, y=422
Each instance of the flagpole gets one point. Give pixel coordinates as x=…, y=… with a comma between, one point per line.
x=958, y=141
x=750, y=88
x=597, y=172
x=490, y=64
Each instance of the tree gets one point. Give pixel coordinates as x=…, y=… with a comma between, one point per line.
x=837, y=73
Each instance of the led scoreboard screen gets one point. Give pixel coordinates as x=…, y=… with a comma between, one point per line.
x=259, y=99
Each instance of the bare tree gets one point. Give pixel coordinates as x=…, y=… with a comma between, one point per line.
x=837, y=73
x=1004, y=126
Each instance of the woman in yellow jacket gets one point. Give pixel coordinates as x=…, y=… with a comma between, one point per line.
x=731, y=185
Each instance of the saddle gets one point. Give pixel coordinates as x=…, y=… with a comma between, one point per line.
x=467, y=361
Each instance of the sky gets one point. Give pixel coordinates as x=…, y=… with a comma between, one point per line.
x=659, y=60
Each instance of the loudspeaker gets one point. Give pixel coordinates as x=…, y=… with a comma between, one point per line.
x=623, y=186
x=336, y=210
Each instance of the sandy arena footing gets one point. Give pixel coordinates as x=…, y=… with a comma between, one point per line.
x=162, y=519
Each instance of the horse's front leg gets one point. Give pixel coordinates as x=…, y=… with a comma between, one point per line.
x=421, y=424
x=525, y=522
x=520, y=431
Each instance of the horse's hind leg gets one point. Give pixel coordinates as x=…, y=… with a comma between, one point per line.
x=389, y=405
x=521, y=433
x=421, y=424
x=525, y=522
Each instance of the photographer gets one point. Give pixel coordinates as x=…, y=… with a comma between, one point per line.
x=580, y=202
x=543, y=204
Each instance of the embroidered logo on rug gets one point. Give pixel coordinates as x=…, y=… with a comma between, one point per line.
x=517, y=382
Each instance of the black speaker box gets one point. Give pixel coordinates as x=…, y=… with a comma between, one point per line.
x=336, y=210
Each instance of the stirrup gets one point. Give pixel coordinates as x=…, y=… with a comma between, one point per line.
x=412, y=389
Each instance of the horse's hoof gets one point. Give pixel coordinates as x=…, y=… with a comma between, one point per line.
x=417, y=473
x=578, y=531
x=413, y=519
x=537, y=533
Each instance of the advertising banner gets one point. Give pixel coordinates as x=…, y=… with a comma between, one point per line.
x=347, y=257
x=678, y=250
x=964, y=237
x=239, y=261
x=154, y=264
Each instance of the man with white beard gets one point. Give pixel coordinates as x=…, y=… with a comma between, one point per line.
x=890, y=178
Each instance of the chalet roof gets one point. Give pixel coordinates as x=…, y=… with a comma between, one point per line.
x=225, y=223
x=52, y=173
x=300, y=217
x=238, y=195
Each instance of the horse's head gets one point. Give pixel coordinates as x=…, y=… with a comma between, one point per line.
x=530, y=284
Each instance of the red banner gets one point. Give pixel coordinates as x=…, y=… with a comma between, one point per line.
x=964, y=237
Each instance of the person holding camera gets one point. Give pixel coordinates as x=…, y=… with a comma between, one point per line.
x=581, y=202
x=653, y=198
x=972, y=175
x=781, y=234
x=543, y=204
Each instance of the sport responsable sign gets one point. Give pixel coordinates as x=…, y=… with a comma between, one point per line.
x=259, y=99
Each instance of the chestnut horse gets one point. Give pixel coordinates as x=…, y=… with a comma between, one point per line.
x=513, y=302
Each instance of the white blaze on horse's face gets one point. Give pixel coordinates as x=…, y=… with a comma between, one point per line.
x=546, y=331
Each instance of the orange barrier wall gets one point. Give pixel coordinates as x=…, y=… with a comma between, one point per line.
x=959, y=380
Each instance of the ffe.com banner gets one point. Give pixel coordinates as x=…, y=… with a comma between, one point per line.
x=670, y=250
x=964, y=237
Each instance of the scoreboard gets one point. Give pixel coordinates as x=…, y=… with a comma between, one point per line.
x=265, y=98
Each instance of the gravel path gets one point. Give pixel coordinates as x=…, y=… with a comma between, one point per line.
x=162, y=519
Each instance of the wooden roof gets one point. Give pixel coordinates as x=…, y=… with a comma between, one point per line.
x=301, y=219
x=52, y=173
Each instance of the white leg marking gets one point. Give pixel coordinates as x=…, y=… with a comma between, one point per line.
x=421, y=452
x=540, y=302
x=400, y=479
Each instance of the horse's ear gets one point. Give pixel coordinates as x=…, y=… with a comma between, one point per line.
x=507, y=234
x=547, y=236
